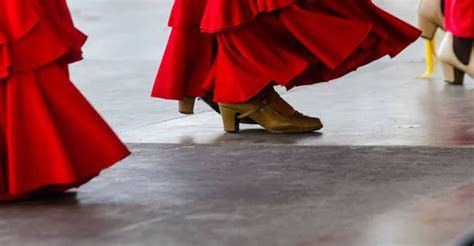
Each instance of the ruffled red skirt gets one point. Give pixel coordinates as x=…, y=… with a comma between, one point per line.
x=51, y=139
x=460, y=17
x=234, y=49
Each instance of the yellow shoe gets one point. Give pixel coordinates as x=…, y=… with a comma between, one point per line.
x=269, y=111
x=430, y=19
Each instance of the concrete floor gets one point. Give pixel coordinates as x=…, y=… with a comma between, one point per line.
x=210, y=195
x=393, y=167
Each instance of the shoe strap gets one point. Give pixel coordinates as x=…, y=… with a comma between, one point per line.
x=264, y=101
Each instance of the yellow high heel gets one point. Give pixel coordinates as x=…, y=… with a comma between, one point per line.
x=263, y=111
x=430, y=59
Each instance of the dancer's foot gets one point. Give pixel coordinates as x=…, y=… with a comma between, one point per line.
x=271, y=112
x=186, y=106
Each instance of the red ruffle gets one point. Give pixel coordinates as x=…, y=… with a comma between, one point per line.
x=35, y=35
x=50, y=135
x=17, y=18
x=51, y=139
x=216, y=19
x=189, y=57
x=460, y=17
x=181, y=17
x=254, y=43
x=208, y=14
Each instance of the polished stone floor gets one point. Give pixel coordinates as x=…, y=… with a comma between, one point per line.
x=394, y=165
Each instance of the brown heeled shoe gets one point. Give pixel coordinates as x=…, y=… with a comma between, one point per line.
x=265, y=111
x=186, y=106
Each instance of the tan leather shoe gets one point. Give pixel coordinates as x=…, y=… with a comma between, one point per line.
x=186, y=106
x=271, y=112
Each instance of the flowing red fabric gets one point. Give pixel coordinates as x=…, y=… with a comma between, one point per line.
x=233, y=49
x=460, y=17
x=51, y=139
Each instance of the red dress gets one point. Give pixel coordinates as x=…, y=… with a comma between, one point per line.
x=460, y=17
x=51, y=139
x=234, y=49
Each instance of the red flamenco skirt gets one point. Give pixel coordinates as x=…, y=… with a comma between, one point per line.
x=233, y=49
x=51, y=139
x=460, y=17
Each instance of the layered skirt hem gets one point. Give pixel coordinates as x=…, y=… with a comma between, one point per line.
x=234, y=49
x=51, y=138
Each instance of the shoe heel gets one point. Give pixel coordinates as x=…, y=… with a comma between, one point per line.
x=230, y=120
x=427, y=27
x=452, y=75
x=186, y=106
x=430, y=56
x=211, y=104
